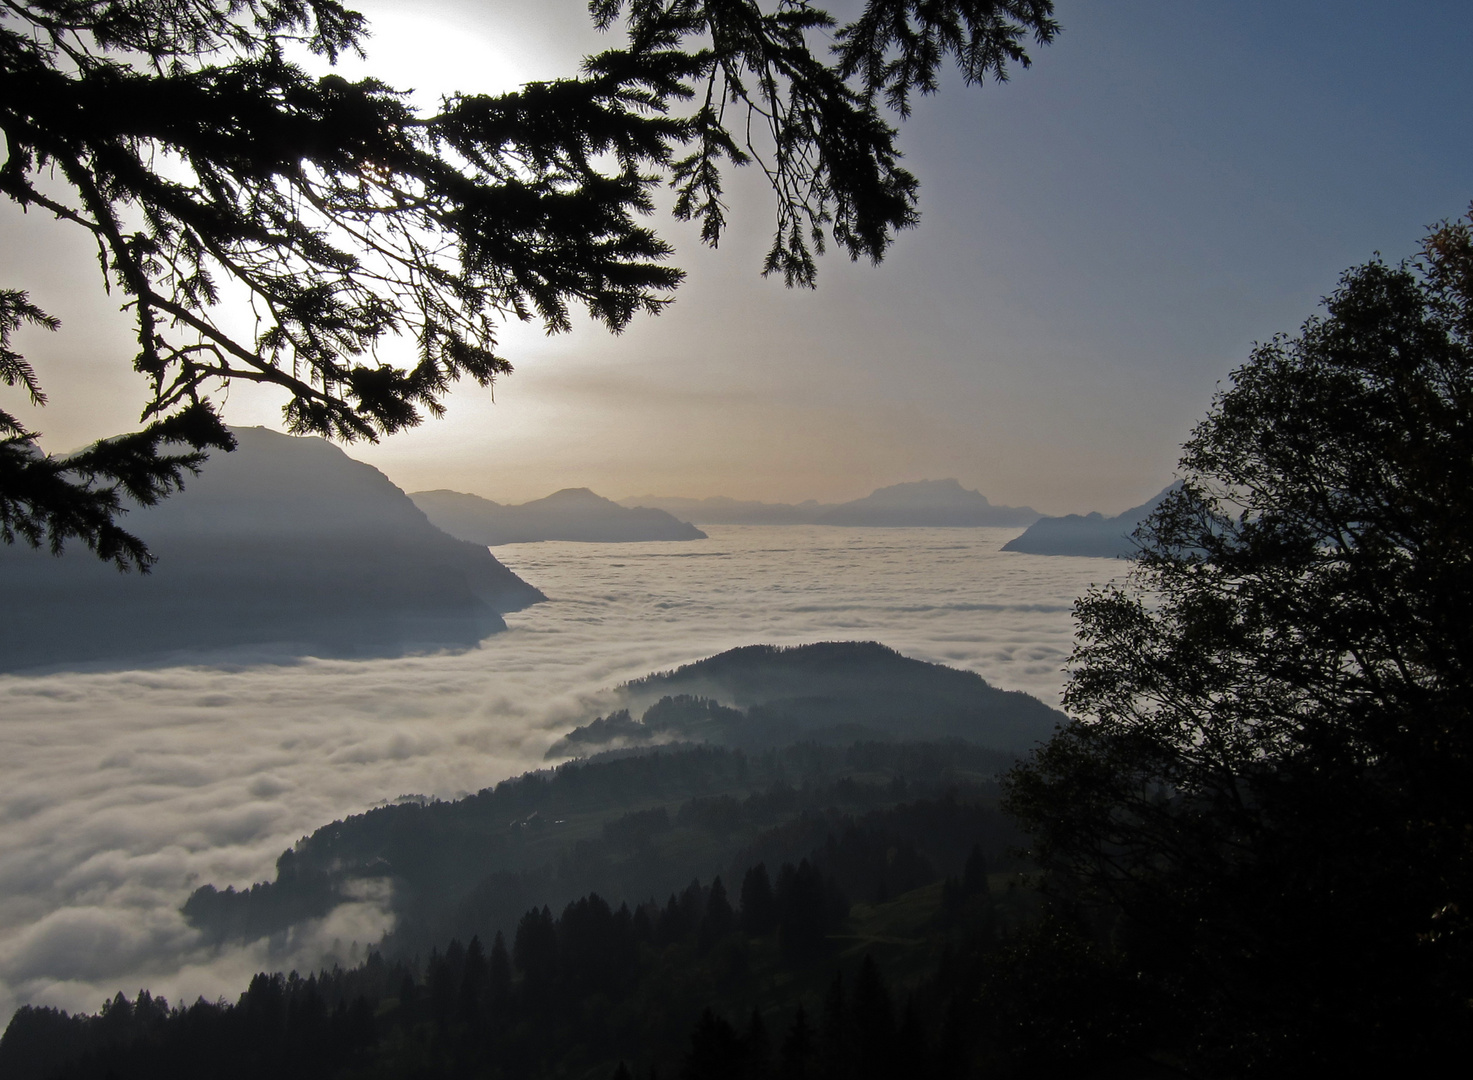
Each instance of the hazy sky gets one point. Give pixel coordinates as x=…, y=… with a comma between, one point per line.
x=1102, y=240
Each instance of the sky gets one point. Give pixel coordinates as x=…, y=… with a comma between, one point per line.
x=1102, y=241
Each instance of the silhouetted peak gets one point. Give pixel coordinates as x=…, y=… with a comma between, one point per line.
x=581, y=495
x=925, y=493
x=1088, y=535
x=286, y=543
x=576, y=514
x=926, y=502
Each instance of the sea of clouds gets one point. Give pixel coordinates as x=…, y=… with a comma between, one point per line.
x=122, y=791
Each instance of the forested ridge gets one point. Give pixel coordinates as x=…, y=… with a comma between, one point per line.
x=791, y=980
x=760, y=696
x=864, y=950
x=625, y=827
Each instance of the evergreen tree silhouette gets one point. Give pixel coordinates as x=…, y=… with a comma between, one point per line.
x=498, y=974
x=757, y=1047
x=873, y=1024
x=798, y=1048
x=472, y=982
x=535, y=951
x=343, y=216
x=836, y=1035
x=719, y=919
x=715, y=1051
x=759, y=907
x=974, y=875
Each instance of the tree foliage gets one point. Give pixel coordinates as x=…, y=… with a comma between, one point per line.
x=1271, y=776
x=217, y=175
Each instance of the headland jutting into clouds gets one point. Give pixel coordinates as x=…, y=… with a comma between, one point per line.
x=462, y=868
x=1092, y=535
x=286, y=542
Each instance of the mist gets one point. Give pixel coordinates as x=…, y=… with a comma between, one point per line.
x=125, y=790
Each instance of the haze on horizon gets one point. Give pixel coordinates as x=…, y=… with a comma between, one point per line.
x=1102, y=240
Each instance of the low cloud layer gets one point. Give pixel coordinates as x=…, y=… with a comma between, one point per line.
x=123, y=791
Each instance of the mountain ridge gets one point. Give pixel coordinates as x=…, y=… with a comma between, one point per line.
x=573, y=514
x=911, y=504
x=757, y=696
x=287, y=544
x=1088, y=535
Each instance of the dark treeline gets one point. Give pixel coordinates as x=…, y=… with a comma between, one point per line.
x=781, y=976
x=625, y=827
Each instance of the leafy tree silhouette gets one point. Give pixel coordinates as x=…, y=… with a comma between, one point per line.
x=215, y=174
x=1268, y=784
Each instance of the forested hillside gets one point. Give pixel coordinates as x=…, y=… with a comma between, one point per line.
x=831, y=691
x=822, y=910
x=627, y=828
x=783, y=975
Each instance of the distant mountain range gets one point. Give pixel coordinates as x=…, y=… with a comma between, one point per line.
x=1087, y=534
x=835, y=692
x=915, y=504
x=570, y=514
x=287, y=542
x=719, y=510
x=927, y=502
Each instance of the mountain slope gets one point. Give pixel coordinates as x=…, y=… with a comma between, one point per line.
x=835, y=691
x=287, y=543
x=1089, y=534
x=571, y=514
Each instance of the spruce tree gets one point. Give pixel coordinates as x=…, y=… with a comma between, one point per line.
x=217, y=174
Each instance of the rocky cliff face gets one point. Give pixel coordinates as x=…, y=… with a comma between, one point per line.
x=287, y=543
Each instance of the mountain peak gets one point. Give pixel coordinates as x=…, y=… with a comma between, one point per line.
x=288, y=545
x=1089, y=535
x=574, y=495
x=576, y=514
x=927, y=502
x=913, y=492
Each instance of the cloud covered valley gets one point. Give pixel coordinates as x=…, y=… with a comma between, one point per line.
x=125, y=790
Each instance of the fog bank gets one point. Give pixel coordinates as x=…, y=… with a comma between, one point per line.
x=125, y=790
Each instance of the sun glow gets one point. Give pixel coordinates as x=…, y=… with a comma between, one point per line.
x=434, y=50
